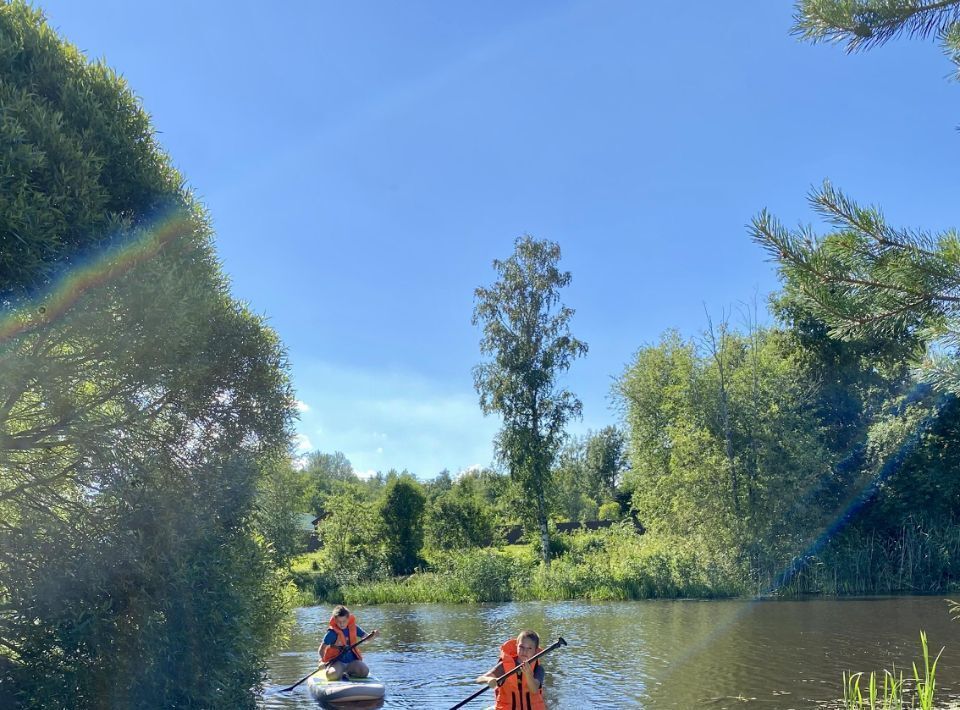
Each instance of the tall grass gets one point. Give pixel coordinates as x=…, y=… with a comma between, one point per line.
x=916, y=558
x=892, y=698
x=618, y=564
x=611, y=564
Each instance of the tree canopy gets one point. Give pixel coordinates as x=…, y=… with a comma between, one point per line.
x=139, y=405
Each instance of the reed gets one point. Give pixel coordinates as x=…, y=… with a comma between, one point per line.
x=916, y=558
x=926, y=685
x=894, y=697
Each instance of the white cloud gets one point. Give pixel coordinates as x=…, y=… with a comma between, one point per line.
x=430, y=425
x=302, y=444
x=302, y=406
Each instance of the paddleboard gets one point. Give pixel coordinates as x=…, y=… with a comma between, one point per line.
x=368, y=688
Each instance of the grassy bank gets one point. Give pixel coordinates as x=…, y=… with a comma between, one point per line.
x=615, y=564
x=619, y=564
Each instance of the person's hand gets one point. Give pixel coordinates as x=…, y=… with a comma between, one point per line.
x=527, y=668
x=374, y=633
x=490, y=681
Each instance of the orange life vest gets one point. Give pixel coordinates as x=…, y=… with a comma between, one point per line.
x=514, y=693
x=332, y=651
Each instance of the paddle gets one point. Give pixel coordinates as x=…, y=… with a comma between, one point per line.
x=556, y=644
x=325, y=665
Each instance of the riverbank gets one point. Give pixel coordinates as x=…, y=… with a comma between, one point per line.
x=619, y=565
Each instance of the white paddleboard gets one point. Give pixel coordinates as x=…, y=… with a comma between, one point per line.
x=368, y=688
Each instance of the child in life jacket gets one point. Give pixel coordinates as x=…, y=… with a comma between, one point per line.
x=523, y=690
x=343, y=632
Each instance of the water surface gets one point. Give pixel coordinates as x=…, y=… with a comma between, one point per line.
x=648, y=654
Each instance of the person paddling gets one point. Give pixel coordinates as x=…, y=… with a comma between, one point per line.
x=523, y=690
x=343, y=632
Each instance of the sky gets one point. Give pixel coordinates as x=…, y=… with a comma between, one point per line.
x=364, y=163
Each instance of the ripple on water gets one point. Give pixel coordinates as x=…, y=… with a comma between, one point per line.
x=662, y=655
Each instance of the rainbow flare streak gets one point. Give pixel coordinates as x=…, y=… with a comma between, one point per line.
x=121, y=256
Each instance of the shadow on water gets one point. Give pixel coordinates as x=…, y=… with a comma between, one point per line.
x=650, y=654
x=357, y=705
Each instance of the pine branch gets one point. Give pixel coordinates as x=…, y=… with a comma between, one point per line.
x=864, y=24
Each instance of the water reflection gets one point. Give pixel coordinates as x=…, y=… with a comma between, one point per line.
x=656, y=654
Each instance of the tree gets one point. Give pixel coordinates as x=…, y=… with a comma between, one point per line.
x=457, y=520
x=350, y=535
x=401, y=523
x=681, y=445
x=139, y=407
x=869, y=279
x=323, y=475
x=277, y=511
x=572, y=494
x=604, y=462
x=866, y=23
x=526, y=333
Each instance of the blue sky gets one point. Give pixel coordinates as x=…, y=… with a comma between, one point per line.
x=364, y=162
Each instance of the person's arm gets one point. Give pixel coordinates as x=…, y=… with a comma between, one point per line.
x=530, y=677
x=538, y=675
x=326, y=643
x=490, y=677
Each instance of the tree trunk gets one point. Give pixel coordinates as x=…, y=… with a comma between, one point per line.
x=718, y=351
x=544, y=532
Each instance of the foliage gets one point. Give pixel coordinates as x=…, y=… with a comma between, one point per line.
x=869, y=279
x=526, y=333
x=919, y=558
x=684, y=451
x=587, y=474
x=350, y=535
x=866, y=23
x=457, y=521
x=609, y=511
x=605, y=459
x=401, y=524
x=469, y=577
x=615, y=563
x=892, y=698
x=322, y=476
x=277, y=512
x=139, y=406
x=618, y=564
x=570, y=497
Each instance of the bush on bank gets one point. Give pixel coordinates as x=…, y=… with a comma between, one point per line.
x=611, y=564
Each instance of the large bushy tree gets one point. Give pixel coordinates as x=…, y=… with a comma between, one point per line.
x=679, y=451
x=526, y=334
x=138, y=404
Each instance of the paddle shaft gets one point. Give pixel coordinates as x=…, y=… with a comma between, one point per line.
x=324, y=665
x=556, y=644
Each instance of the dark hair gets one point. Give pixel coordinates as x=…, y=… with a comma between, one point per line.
x=341, y=610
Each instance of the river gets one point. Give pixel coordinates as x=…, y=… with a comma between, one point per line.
x=649, y=654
